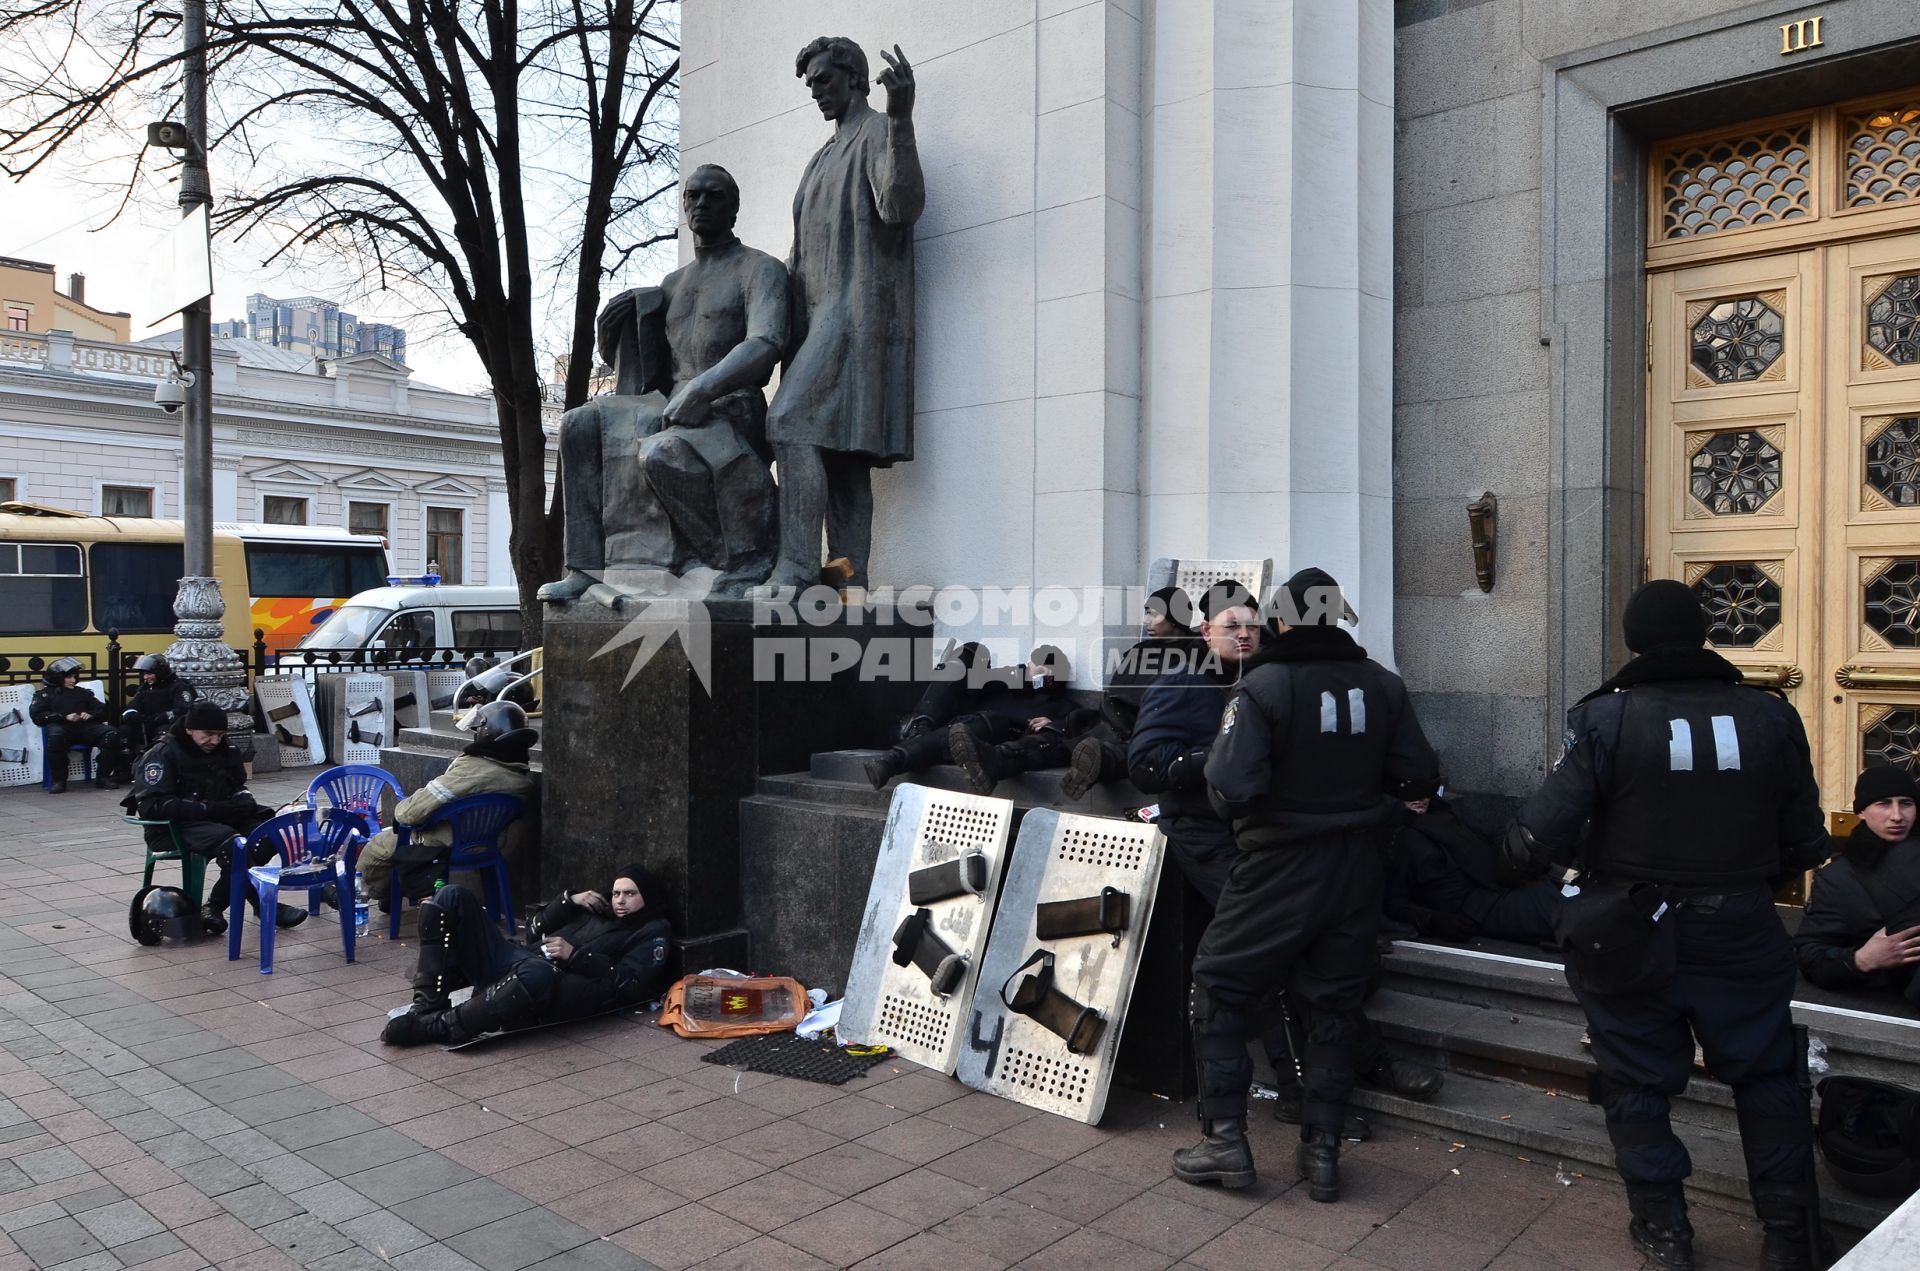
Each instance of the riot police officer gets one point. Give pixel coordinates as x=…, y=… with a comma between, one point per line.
x=1696, y=796
x=73, y=716
x=161, y=698
x=1311, y=741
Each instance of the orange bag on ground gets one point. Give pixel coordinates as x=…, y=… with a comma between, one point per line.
x=730, y=1006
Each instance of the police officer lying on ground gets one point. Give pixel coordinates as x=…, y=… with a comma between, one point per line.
x=970, y=716
x=198, y=781
x=1697, y=798
x=586, y=953
x=495, y=762
x=1178, y=718
x=1169, y=645
x=1445, y=880
x=1861, y=930
x=73, y=716
x=1311, y=738
x=161, y=698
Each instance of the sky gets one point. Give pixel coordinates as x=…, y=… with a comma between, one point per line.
x=66, y=218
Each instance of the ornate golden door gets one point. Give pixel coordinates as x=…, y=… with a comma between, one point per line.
x=1783, y=420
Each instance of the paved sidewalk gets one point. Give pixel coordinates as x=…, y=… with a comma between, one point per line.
x=168, y=1109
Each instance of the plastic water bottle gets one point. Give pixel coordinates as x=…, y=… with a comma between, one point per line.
x=360, y=902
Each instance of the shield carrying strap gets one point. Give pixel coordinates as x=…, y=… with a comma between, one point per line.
x=285, y=738
x=11, y=718
x=367, y=707
x=288, y=711
x=915, y=943
x=405, y=702
x=962, y=876
x=1032, y=993
x=1105, y=914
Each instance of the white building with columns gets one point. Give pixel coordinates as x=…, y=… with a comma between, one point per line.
x=349, y=442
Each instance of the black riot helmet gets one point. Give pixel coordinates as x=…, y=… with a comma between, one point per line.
x=163, y=913
x=495, y=720
x=485, y=680
x=58, y=670
x=1870, y=1135
x=156, y=663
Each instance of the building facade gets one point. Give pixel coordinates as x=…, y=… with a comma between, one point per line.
x=31, y=302
x=349, y=442
x=314, y=327
x=1304, y=280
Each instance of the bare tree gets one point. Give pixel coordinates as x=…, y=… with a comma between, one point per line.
x=486, y=151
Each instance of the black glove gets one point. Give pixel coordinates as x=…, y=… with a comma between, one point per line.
x=1188, y=771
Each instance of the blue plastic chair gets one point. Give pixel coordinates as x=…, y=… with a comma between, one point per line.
x=47, y=770
x=477, y=822
x=311, y=849
x=355, y=787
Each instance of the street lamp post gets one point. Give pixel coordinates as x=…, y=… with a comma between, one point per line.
x=200, y=652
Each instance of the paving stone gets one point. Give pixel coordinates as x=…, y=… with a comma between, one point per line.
x=61, y=1240
x=149, y=1249
x=358, y=1152
x=404, y=1179
x=304, y=1237
x=688, y=1235
x=258, y=1205
x=119, y=1223
x=845, y=1232
x=520, y=1240
x=461, y=1208
x=383, y=1234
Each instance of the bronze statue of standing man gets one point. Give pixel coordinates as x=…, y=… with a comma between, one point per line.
x=845, y=401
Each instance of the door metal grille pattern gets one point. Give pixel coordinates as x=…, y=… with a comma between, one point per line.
x=1893, y=603
x=1893, y=464
x=1890, y=736
x=1742, y=604
x=1893, y=322
x=1737, y=341
x=1883, y=155
x=1735, y=473
x=1732, y=183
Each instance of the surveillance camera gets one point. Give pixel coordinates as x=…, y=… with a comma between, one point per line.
x=170, y=395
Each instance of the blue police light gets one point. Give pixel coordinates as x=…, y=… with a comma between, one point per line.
x=413, y=580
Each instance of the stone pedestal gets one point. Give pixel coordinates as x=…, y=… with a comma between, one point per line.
x=649, y=764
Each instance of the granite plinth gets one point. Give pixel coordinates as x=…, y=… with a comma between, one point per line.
x=647, y=761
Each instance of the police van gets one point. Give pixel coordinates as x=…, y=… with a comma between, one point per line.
x=417, y=612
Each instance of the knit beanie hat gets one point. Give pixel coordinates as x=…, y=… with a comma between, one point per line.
x=1664, y=611
x=1312, y=598
x=206, y=717
x=1886, y=781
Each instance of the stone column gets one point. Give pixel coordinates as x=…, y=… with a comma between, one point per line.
x=499, y=568
x=1269, y=317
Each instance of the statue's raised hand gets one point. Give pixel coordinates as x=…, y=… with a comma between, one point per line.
x=897, y=79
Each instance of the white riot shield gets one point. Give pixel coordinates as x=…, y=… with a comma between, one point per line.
x=20, y=762
x=288, y=705
x=1059, y=970
x=358, y=708
x=928, y=912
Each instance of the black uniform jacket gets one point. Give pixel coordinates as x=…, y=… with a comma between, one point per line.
x=1414, y=897
x=615, y=961
x=1313, y=740
x=1688, y=777
x=1874, y=884
x=177, y=781
x=158, y=705
x=51, y=706
x=1166, y=756
x=1135, y=671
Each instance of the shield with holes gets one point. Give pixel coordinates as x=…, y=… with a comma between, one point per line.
x=287, y=703
x=1058, y=972
x=928, y=912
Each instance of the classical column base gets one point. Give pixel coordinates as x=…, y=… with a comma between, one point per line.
x=201, y=656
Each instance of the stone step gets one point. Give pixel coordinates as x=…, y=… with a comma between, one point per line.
x=1566, y=1131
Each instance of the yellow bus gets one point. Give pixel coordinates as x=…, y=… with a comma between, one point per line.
x=67, y=578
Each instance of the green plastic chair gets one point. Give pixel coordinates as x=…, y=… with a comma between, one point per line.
x=193, y=866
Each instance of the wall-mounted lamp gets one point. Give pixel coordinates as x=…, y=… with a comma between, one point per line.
x=1483, y=520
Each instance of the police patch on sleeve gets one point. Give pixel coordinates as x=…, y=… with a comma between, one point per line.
x=1232, y=713
x=1566, y=749
x=659, y=953
x=152, y=773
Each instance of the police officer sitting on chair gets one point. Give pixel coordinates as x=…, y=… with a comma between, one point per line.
x=1696, y=798
x=197, y=780
x=73, y=716
x=161, y=698
x=1861, y=930
x=1312, y=738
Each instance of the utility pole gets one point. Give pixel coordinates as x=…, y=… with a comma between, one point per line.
x=200, y=652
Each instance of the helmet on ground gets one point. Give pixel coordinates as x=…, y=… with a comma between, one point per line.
x=1870, y=1134
x=156, y=663
x=162, y=913
x=495, y=720
x=59, y=669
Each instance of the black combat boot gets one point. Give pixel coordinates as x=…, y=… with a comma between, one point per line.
x=417, y=1028
x=213, y=916
x=1404, y=1077
x=1317, y=1160
x=885, y=766
x=1083, y=769
x=1659, y=1226
x=506, y=1003
x=980, y=760
x=58, y=787
x=1221, y=1157
x=1286, y=1108
x=1786, y=1245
